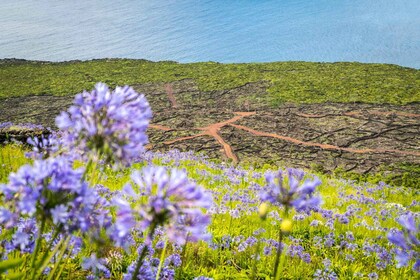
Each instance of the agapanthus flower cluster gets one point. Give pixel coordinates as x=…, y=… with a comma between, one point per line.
x=51, y=190
x=291, y=190
x=408, y=241
x=163, y=197
x=96, y=266
x=43, y=147
x=23, y=238
x=110, y=124
x=148, y=271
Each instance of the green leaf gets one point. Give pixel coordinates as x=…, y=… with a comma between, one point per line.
x=8, y=264
x=15, y=276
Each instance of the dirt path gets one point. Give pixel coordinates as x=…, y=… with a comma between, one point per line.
x=361, y=114
x=213, y=131
x=323, y=146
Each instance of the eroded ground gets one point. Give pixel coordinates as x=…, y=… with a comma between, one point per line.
x=228, y=125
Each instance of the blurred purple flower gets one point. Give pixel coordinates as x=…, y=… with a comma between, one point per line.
x=44, y=146
x=112, y=124
x=173, y=201
x=407, y=241
x=51, y=189
x=24, y=237
x=290, y=191
x=373, y=276
x=325, y=274
x=146, y=272
x=96, y=266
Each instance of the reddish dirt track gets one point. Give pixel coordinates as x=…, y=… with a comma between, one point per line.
x=323, y=146
x=213, y=131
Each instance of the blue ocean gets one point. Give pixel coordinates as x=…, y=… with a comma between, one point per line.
x=379, y=31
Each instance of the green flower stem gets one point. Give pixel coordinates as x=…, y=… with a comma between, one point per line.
x=88, y=167
x=254, y=265
x=48, y=249
x=51, y=254
x=276, y=272
x=184, y=255
x=257, y=253
x=279, y=251
x=59, y=259
x=162, y=257
x=144, y=251
x=37, y=247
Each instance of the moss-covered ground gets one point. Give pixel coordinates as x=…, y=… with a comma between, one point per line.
x=299, y=82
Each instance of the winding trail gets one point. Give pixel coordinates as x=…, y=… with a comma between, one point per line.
x=160, y=127
x=213, y=130
x=359, y=114
x=323, y=146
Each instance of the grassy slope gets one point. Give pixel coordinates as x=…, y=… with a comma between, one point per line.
x=232, y=263
x=301, y=82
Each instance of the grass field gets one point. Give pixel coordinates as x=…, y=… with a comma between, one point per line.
x=346, y=237
x=299, y=82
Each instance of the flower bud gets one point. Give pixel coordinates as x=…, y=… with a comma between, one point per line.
x=263, y=210
x=286, y=226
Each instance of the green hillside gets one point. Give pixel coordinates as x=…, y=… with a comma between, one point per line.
x=297, y=82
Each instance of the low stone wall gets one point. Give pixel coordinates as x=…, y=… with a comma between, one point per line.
x=21, y=132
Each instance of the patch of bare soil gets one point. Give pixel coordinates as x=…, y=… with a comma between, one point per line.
x=233, y=124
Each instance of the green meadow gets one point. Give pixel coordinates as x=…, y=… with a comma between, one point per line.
x=319, y=246
x=295, y=82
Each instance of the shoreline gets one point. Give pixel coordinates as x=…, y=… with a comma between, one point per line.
x=14, y=60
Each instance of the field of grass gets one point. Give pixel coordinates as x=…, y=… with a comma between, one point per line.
x=297, y=82
x=344, y=238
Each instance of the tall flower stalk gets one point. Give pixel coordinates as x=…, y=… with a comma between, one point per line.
x=163, y=197
x=289, y=190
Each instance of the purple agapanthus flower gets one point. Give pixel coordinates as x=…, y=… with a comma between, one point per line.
x=162, y=197
x=52, y=190
x=96, y=266
x=325, y=274
x=289, y=189
x=146, y=272
x=407, y=241
x=25, y=234
x=44, y=146
x=112, y=124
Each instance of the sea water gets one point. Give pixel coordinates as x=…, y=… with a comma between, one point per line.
x=379, y=31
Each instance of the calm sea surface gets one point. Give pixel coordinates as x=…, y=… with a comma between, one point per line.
x=384, y=31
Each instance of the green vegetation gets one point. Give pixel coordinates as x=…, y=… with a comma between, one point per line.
x=357, y=249
x=300, y=82
x=407, y=176
x=344, y=238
